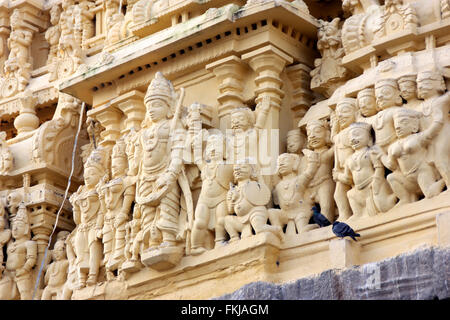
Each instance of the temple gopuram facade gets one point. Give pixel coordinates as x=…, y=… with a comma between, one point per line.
x=196, y=149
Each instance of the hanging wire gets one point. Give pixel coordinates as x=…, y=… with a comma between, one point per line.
x=64, y=200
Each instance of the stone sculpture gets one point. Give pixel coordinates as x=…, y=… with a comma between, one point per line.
x=290, y=191
x=117, y=198
x=248, y=199
x=211, y=206
x=87, y=217
x=22, y=254
x=321, y=187
x=56, y=274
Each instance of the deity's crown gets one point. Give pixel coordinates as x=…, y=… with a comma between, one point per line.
x=160, y=88
x=97, y=159
x=407, y=77
x=317, y=123
x=22, y=214
x=366, y=92
x=347, y=101
x=386, y=82
x=119, y=149
x=360, y=125
x=294, y=132
x=405, y=112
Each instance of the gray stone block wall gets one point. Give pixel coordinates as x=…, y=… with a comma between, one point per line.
x=419, y=275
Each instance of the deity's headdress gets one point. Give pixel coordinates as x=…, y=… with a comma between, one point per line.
x=347, y=101
x=407, y=77
x=434, y=75
x=161, y=88
x=366, y=92
x=387, y=82
x=119, y=149
x=98, y=159
x=22, y=216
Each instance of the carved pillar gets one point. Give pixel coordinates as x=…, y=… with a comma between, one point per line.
x=302, y=94
x=4, y=35
x=268, y=63
x=27, y=119
x=43, y=218
x=229, y=71
x=110, y=118
x=132, y=105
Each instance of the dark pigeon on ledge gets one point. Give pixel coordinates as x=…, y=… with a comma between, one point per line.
x=342, y=230
x=319, y=218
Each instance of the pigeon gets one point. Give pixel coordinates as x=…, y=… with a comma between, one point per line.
x=319, y=218
x=342, y=230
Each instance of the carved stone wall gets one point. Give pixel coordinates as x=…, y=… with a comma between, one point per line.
x=216, y=136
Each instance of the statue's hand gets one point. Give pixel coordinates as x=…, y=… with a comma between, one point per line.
x=21, y=272
x=98, y=233
x=120, y=219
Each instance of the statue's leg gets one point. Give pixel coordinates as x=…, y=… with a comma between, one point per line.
x=342, y=202
x=95, y=256
x=25, y=286
x=201, y=221
x=426, y=180
x=46, y=294
x=275, y=217
x=119, y=245
x=402, y=187
x=221, y=213
x=325, y=194
x=357, y=202
x=258, y=220
x=233, y=226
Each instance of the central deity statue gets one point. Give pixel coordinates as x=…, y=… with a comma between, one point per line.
x=158, y=154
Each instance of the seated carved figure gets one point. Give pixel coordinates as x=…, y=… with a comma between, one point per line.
x=415, y=176
x=289, y=192
x=365, y=173
x=248, y=199
x=56, y=274
x=22, y=254
x=211, y=205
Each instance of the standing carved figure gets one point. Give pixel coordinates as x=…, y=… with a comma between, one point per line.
x=22, y=254
x=346, y=114
x=321, y=187
x=5, y=235
x=117, y=198
x=19, y=64
x=53, y=33
x=329, y=72
x=211, y=206
x=6, y=157
x=431, y=86
x=159, y=152
x=83, y=24
x=245, y=127
x=86, y=207
x=364, y=171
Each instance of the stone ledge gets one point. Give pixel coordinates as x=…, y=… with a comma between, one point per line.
x=418, y=275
